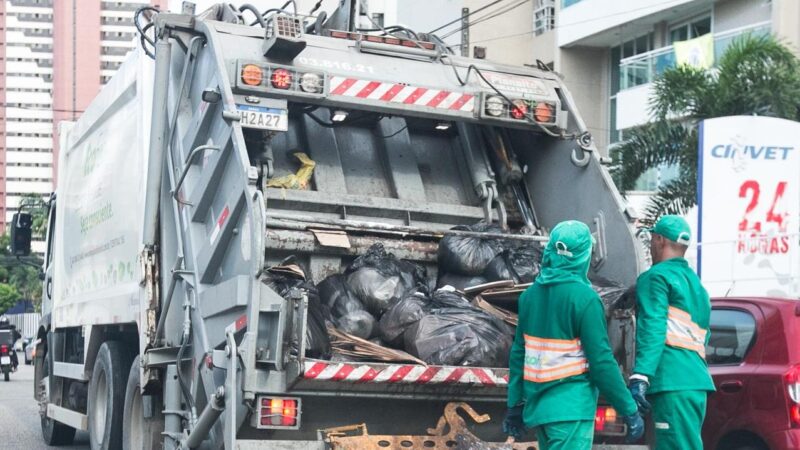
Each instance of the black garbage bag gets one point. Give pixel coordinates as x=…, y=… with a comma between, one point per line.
x=460, y=282
x=613, y=294
x=346, y=309
x=336, y=295
x=521, y=264
x=402, y=313
x=455, y=333
x=377, y=278
x=468, y=255
x=358, y=323
x=290, y=274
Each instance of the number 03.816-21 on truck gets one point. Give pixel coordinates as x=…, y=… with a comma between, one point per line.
x=157, y=329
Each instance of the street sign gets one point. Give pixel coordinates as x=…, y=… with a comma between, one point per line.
x=749, y=206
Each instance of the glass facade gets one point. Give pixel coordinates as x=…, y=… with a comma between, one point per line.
x=642, y=70
x=567, y=3
x=627, y=49
x=690, y=30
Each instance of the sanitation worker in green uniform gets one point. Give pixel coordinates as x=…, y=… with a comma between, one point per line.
x=670, y=374
x=561, y=354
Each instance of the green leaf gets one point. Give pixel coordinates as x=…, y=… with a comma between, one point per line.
x=676, y=197
x=652, y=145
x=757, y=75
x=683, y=91
x=8, y=296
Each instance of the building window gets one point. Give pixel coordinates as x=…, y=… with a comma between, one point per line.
x=690, y=29
x=626, y=49
x=544, y=16
x=567, y=3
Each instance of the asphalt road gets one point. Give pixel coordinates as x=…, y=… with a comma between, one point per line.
x=19, y=415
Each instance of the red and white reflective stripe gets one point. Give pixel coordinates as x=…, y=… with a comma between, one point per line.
x=402, y=93
x=223, y=216
x=403, y=374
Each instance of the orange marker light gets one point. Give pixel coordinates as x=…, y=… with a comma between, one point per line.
x=543, y=113
x=252, y=75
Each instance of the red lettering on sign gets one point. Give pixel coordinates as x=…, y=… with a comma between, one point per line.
x=753, y=238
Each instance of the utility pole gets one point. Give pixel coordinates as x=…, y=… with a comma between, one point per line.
x=465, y=32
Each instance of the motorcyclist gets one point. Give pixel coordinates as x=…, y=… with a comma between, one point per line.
x=6, y=325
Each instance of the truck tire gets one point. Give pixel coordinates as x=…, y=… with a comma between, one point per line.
x=107, y=396
x=139, y=432
x=54, y=433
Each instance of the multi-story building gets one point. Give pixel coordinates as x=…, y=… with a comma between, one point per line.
x=54, y=57
x=609, y=51
x=26, y=80
x=91, y=39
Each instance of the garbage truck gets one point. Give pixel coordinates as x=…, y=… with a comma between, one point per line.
x=157, y=328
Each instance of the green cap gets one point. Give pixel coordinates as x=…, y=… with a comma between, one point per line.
x=674, y=228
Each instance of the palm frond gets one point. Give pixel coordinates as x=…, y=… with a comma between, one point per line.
x=759, y=75
x=652, y=145
x=676, y=197
x=683, y=91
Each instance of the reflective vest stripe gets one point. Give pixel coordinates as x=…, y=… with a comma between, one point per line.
x=553, y=359
x=543, y=341
x=544, y=378
x=550, y=349
x=553, y=344
x=556, y=369
x=682, y=332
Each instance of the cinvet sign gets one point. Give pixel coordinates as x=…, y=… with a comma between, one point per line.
x=749, y=206
x=766, y=152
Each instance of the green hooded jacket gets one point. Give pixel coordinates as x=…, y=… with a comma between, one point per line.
x=561, y=354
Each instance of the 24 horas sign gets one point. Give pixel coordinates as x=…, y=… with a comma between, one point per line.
x=749, y=206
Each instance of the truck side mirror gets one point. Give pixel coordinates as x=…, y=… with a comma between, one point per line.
x=21, y=225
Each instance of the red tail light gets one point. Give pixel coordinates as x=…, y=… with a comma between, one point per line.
x=604, y=415
x=519, y=109
x=278, y=412
x=792, y=381
x=794, y=415
x=4, y=349
x=281, y=79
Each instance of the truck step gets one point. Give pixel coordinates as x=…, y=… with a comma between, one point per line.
x=68, y=417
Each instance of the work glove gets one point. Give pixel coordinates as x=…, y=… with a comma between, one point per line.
x=635, y=425
x=638, y=388
x=513, y=425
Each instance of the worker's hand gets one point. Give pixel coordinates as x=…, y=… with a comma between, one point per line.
x=635, y=425
x=513, y=425
x=638, y=389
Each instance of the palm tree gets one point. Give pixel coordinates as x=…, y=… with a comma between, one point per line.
x=757, y=75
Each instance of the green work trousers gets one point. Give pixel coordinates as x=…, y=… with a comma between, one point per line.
x=677, y=418
x=572, y=435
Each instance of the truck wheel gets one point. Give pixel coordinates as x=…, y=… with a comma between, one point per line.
x=53, y=433
x=139, y=432
x=107, y=396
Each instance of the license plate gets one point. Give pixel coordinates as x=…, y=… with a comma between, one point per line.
x=263, y=118
x=5, y=360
